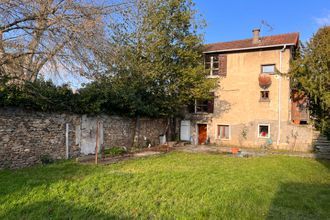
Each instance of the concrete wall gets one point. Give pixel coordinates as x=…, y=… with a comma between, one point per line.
x=26, y=136
x=237, y=103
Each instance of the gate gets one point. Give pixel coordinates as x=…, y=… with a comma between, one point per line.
x=88, y=134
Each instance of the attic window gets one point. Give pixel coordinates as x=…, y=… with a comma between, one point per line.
x=268, y=69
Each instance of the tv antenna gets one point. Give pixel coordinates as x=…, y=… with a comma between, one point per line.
x=267, y=25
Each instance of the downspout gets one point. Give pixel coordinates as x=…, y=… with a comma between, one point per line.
x=279, y=98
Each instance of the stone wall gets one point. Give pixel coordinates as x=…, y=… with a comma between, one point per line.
x=27, y=136
x=120, y=131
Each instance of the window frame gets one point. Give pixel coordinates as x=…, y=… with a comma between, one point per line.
x=270, y=64
x=211, y=65
x=196, y=106
x=264, y=99
x=268, y=136
x=209, y=105
x=229, y=132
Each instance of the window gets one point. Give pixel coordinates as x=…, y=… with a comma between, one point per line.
x=264, y=96
x=268, y=69
x=264, y=131
x=224, y=132
x=212, y=64
x=202, y=106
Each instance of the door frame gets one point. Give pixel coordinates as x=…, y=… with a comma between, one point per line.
x=197, y=131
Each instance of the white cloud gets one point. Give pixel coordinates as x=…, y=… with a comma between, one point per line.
x=323, y=20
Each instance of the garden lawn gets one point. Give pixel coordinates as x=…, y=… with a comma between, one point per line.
x=175, y=185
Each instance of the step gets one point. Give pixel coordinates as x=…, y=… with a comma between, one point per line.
x=322, y=149
x=321, y=138
x=323, y=152
x=328, y=154
x=322, y=144
x=322, y=141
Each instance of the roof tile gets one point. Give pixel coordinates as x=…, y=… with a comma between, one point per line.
x=290, y=38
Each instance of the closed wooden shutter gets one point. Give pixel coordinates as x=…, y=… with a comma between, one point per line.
x=299, y=110
x=210, y=104
x=223, y=64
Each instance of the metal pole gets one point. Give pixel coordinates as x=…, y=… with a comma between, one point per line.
x=97, y=142
x=67, y=141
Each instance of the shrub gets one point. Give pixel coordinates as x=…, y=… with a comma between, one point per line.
x=115, y=151
x=46, y=159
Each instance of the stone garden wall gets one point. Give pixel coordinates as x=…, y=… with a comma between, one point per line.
x=28, y=136
x=118, y=131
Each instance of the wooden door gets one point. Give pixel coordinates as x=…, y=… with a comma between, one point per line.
x=202, y=133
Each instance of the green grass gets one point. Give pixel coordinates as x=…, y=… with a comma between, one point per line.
x=175, y=185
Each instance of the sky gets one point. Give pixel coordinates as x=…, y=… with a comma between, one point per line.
x=229, y=20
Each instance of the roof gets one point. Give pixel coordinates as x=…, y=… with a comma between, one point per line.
x=246, y=44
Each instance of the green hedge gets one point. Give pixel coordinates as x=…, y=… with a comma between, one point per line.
x=94, y=98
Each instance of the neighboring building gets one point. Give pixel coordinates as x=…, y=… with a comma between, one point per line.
x=253, y=105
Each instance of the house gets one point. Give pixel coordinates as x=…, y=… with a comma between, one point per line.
x=254, y=105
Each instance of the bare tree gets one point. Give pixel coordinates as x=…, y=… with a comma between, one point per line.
x=53, y=36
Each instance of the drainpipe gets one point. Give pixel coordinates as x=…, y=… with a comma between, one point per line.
x=279, y=98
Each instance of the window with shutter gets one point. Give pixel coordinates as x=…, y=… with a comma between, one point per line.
x=224, y=132
x=201, y=106
x=205, y=106
x=212, y=64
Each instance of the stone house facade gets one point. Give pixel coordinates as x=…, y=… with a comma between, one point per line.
x=253, y=105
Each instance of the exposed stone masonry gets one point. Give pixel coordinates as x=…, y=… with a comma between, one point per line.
x=27, y=136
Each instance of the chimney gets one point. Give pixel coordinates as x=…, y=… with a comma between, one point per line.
x=256, y=37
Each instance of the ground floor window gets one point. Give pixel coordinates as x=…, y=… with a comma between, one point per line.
x=223, y=132
x=264, y=130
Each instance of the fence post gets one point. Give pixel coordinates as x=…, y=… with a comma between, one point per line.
x=67, y=141
x=97, y=142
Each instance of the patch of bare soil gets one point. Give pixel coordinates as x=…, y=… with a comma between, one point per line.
x=115, y=159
